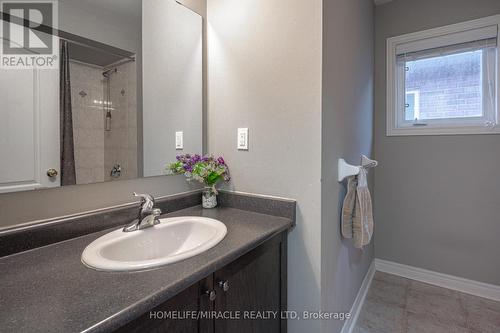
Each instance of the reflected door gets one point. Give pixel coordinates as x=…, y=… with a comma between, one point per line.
x=29, y=127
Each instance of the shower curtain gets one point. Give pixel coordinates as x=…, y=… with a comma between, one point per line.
x=68, y=172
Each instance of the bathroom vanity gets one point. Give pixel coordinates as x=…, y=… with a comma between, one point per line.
x=50, y=290
x=251, y=286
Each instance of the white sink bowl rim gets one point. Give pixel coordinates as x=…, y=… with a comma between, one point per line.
x=173, y=240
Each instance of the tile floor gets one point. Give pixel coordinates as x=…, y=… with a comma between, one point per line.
x=398, y=305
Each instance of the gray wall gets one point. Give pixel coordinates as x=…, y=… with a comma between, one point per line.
x=200, y=7
x=437, y=197
x=173, y=82
x=265, y=74
x=347, y=123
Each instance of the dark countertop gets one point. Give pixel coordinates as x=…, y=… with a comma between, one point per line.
x=48, y=289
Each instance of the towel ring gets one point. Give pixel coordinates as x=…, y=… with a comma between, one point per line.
x=347, y=170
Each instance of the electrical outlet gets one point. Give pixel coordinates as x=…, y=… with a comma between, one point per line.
x=179, y=140
x=242, y=138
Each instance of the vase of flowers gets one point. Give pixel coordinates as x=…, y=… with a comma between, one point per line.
x=208, y=198
x=207, y=170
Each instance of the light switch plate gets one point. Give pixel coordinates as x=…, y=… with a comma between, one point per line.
x=179, y=140
x=242, y=138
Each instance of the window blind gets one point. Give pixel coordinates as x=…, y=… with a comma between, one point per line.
x=449, y=50
x=466, y=36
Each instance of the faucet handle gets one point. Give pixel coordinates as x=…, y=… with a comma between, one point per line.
x=146, y=199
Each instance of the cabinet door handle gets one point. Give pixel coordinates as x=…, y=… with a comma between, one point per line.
x=224, y=285
x=212, y=295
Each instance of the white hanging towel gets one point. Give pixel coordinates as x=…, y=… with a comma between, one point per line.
x=348, y=207
x=362, y=225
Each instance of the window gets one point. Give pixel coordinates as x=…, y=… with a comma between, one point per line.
x=444, y=80
x=412, y=106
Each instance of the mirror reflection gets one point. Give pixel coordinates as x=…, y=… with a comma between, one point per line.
x=120, y=99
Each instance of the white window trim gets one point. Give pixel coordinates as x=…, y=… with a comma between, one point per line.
x=392, y=128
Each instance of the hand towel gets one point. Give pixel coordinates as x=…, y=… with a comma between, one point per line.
x=362, y=226
x=348, y=207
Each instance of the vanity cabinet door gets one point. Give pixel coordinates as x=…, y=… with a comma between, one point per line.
x=253, y=286
x=186, y=301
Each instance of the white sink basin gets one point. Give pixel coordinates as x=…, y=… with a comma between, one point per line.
x=172, y=240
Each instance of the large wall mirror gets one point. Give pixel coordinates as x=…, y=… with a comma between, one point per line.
x=121, y=100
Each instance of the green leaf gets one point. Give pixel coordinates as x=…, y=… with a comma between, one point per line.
x=212, y=178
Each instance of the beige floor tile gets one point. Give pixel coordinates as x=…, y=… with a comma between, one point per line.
x=379, y=317
x=398, y=305
x=386, y=292
x=358, y=329
x=429, y=289
x=442, y=307
x=418, y=323
x=483, y=315
x=392, y=279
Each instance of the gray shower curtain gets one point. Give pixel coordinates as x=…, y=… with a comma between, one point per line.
x=68, y=172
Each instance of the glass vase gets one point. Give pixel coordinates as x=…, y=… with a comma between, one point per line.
x=209, y=198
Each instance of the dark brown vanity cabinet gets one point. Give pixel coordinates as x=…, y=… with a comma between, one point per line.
x=246, y=296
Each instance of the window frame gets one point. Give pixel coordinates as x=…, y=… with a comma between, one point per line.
x=396, y=87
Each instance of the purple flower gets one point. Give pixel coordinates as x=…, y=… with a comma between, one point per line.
x=212, y=170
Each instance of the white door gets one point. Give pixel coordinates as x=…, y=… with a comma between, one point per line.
x=29, y=129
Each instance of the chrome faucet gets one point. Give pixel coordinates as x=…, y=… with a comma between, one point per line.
x=148, y=215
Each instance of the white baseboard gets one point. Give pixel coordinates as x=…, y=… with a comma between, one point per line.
x=360, y=299
x=466, y=286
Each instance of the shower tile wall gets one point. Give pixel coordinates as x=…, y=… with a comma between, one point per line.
x=120, y=144
x=88, y=123
x=97, y=150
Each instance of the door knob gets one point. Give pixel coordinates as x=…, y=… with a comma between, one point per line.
x=212, y=295
x=52, y=173
x=224, y=285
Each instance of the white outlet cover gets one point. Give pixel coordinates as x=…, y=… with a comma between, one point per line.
x=242, y=139
x=179, y=140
